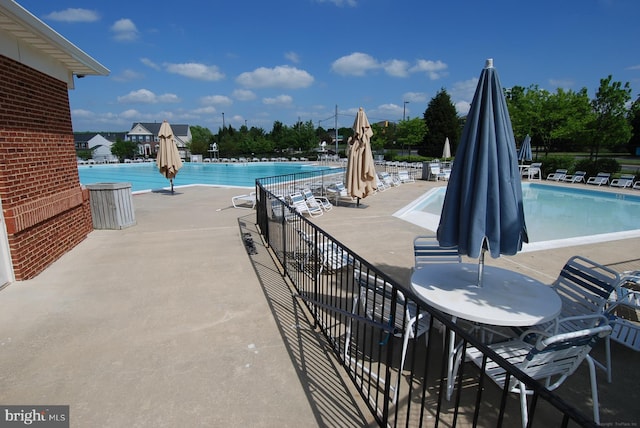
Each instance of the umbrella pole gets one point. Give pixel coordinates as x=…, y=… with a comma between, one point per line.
x=171, y=181
x=481, y=267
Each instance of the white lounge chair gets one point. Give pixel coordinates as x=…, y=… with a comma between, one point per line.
x=247, y=201
x=533, y=171
x=316, y=201
x=551, y=359
x=625, y=180
x=559, y=175
x=338, y=192
x=380, y=185
x=389, y=180
x=636, y=185
x=576, y=177
x=298, y=202
x=404, y=177
x=600, y=179
x=318, y=257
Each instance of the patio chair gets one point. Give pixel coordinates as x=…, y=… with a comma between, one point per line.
x=298, y=202
x=380, y=185
x=624, y=181
x=585, y=288
x=427, y=250
x=624, y=312
x=551, y=358
x=600, y=179
x=404, y=177
x=576, y=177
x=247, y=201
x=375, y=299
x=559, y=175
x=533, y=171
x=316, y=201
x=636, y=185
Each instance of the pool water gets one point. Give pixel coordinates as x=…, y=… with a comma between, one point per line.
x=555, y=216
x=145, y=175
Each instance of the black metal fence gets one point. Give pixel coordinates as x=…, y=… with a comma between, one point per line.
x=394, y=348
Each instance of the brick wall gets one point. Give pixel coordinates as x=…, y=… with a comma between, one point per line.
x=46, y=211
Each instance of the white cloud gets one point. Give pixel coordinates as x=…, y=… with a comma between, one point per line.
x=352, y=3
x=74, y=15
x=464, y=90
x=124, y=30
x=415, y=97
x=84, y=114
x=561, y=83
x=216, y=100
x=463, y=107
x=633, y=67
x=280, y=100
x=149, y=63
x=194, y=70
x=145, y=96
x=132, y=114
x=396, y=68
x=205, y=110
x=127, y=76
x=282, y=76
x=355, y=64
x=433, y=69
x=292, y=56
x=244, y=95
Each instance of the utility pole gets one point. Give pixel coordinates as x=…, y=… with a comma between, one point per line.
x=404, y=110
x=336, y=129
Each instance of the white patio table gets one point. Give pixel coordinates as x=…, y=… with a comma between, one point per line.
x=506, y=298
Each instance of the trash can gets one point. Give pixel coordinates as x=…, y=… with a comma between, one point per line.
x=111, y=205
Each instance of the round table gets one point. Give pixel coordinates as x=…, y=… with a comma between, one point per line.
x=506, y=298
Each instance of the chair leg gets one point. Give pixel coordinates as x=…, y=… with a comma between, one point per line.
x=523, y=405
x=607, y=347
x=594, y=390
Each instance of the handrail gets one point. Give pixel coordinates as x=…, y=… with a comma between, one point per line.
x=364, y=345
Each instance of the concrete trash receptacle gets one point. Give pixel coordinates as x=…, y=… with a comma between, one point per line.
x=111, y=205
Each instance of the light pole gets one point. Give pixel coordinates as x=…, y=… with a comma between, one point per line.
x=404, y=109
x=222, y=120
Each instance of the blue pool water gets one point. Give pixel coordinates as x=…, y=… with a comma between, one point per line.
x=145, y=176
x=555, y=216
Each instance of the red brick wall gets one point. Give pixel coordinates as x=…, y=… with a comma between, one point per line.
x=46, y=211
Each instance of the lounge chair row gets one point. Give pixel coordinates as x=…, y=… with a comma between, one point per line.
x=624, y=181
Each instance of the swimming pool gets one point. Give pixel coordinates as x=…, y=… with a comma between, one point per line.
x=144, y=176
x=555, y=216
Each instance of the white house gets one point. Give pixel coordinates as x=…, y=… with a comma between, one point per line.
x=146, y=135
x=101, y=149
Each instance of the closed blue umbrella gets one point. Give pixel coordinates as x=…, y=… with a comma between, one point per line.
x=483, y=204
x=524, y=154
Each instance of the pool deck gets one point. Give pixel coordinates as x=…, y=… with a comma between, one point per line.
x=172, y=323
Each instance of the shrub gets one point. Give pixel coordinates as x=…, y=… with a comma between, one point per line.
x=593, y=167
x=551, y=163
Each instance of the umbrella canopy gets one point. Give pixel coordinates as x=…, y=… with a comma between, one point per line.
x=446, y=151
x=524, y=154
x=168, y=160
x=361, y=172
x=483, y=204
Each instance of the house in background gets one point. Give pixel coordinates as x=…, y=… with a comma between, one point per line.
x=99, y=144
x=44, y=212
x=146, y=135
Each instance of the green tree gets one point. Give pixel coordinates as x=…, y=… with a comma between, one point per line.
x=610, y=126
x=634, y=122
x=411, y=132
x=441, y=120
x=201, y=140
x=124, y=149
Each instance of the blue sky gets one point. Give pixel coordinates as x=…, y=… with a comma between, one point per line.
x=258, y=61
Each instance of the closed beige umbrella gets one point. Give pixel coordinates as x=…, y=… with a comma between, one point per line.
x=361, y=171
x=168, y=161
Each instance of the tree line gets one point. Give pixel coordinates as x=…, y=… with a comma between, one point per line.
x=560, y=121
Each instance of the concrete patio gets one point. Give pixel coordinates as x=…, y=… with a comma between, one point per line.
x=172, y=323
